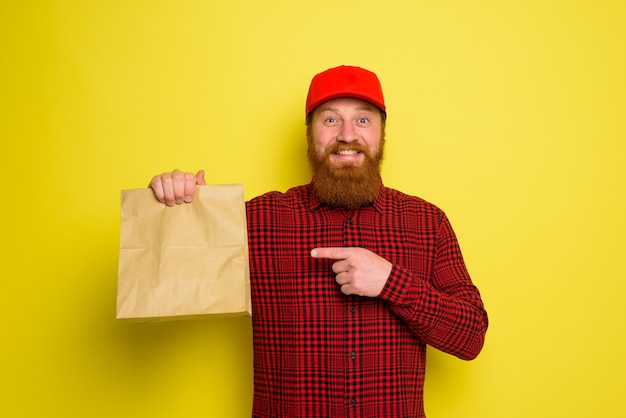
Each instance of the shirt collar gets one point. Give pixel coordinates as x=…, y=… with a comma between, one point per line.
x=379, y=204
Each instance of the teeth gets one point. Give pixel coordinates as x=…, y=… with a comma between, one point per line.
x=347, y=152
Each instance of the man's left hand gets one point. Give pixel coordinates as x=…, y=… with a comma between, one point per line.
x=358, y=271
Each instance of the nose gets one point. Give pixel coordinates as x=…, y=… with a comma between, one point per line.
x=347, y=133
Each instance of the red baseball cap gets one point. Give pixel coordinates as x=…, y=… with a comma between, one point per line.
x=344, y=81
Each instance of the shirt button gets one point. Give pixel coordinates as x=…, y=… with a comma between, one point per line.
x=349, y=220
x=353, y=309
x=353, y=355
x=353, y=402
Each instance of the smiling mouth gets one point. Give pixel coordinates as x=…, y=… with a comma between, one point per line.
x=347, y=152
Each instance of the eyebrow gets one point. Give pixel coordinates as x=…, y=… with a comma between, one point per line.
x=369, y=107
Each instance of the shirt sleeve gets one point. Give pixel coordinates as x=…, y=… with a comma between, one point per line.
x=445, y=310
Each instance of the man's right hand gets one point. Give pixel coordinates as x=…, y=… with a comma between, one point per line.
x=176, y=187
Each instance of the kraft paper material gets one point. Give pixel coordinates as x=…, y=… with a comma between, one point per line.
x=186, y=261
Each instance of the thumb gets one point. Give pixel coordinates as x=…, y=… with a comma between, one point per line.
x=200, y=178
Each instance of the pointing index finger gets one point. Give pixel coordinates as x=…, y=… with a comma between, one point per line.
x=333, y=253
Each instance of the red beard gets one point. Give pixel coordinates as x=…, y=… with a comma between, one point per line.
x=346, y=185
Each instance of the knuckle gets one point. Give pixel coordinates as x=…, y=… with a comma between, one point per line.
x=166, y=179
x=155, y=182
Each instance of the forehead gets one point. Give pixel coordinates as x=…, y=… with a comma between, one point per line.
x=346, y=104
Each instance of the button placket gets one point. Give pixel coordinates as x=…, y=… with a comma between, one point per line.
x=352, y=239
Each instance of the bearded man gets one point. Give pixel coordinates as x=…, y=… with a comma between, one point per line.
x=350, y=280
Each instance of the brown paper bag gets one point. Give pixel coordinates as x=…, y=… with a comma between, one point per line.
x=187, y=261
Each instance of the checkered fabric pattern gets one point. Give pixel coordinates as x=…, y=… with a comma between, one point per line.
x=320, y=353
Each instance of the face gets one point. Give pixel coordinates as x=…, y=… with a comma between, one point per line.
x=347, y=126
x=346, y=138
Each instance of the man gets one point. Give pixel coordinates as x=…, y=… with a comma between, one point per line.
x=350, y=279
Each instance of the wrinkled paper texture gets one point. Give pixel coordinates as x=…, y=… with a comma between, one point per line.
x=186, y=261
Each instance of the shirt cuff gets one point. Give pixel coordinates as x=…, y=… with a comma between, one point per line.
x=397, y=286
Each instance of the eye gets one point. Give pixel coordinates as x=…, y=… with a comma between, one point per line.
x=363, y=120
x=330, y=119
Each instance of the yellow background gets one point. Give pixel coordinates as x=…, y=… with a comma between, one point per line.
x=510, y=115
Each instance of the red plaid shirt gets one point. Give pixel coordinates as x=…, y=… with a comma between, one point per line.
x=320, y=353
